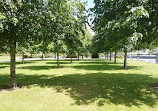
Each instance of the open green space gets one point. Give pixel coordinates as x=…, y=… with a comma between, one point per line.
x=4, y=57
x=87, y=85
x=7, y=57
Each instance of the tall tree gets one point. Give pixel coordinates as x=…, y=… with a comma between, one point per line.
x=118, y=19
x=16, y=16
x=20, y=24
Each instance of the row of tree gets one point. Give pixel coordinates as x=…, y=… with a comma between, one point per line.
x=124, y=25
x=53, y=24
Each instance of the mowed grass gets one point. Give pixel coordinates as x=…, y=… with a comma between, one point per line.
x=87, y=85
x=4, y=57
x=7, y=57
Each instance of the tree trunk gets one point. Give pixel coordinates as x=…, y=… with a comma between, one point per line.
x=12, y=63
x=42, y=56
x=115, y=57
x=58, y=66
x=110, y=55
x=78, y=56
x=107, y=55
x=23, y=58
x=82, y=57
x=125, y=60
x=71, y=59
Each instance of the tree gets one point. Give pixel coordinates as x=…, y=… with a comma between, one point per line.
x=21, y=23
x=17, y=17
x=22, y=50
x=148, y=27
x=70, y=44
x=87, y=42
x=119, y=18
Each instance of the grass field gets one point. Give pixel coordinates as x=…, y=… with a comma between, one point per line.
x=4, y=57
x=88, y=85
x=7, y=57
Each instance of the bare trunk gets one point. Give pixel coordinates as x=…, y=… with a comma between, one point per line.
x=71, y=59
x=115, y=57
x=42, y=56
x=125, y=60
x=110, y=55
x=12, y=63
x=58, y=66
x=82, y=56
x=23, y=58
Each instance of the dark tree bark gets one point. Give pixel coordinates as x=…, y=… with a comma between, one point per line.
x=110, y=55
x=23, y=58
x=115, y=57
x=13, y=62
x=42, y=56
x=125, y=60
x=82, y=56
x=58, y=66
x=71, y=59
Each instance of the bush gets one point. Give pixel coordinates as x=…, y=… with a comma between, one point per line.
x=30, y=56
x=73, y=56
x=47, y=56
x=95, y=55
x=26, y=56
x=119, y=56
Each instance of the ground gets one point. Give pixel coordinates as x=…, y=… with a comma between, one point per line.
x=87, y=85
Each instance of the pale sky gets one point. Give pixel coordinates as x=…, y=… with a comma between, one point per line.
x=90, y=4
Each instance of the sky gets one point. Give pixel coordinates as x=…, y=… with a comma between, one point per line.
x=90, y=4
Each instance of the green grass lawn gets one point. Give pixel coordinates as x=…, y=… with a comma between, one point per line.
x=8, y=57
x=89, y=85
x=4, y=57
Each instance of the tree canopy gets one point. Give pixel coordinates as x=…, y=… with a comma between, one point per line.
x=38, y=23
x=124, y=25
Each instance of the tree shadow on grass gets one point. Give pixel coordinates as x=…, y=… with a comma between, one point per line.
x=125, y=89
x=18, y=62
x=39, y=67
x=1, y=67
x=102, y=67
x=99, y=67
x=98, y=62
x=59, y=62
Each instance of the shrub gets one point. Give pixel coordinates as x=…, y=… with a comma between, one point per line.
x=95, y=55
x=73, y=56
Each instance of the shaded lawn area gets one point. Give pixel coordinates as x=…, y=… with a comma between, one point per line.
x=85, y=85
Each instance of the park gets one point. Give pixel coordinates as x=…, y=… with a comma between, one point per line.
x=67, y=55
